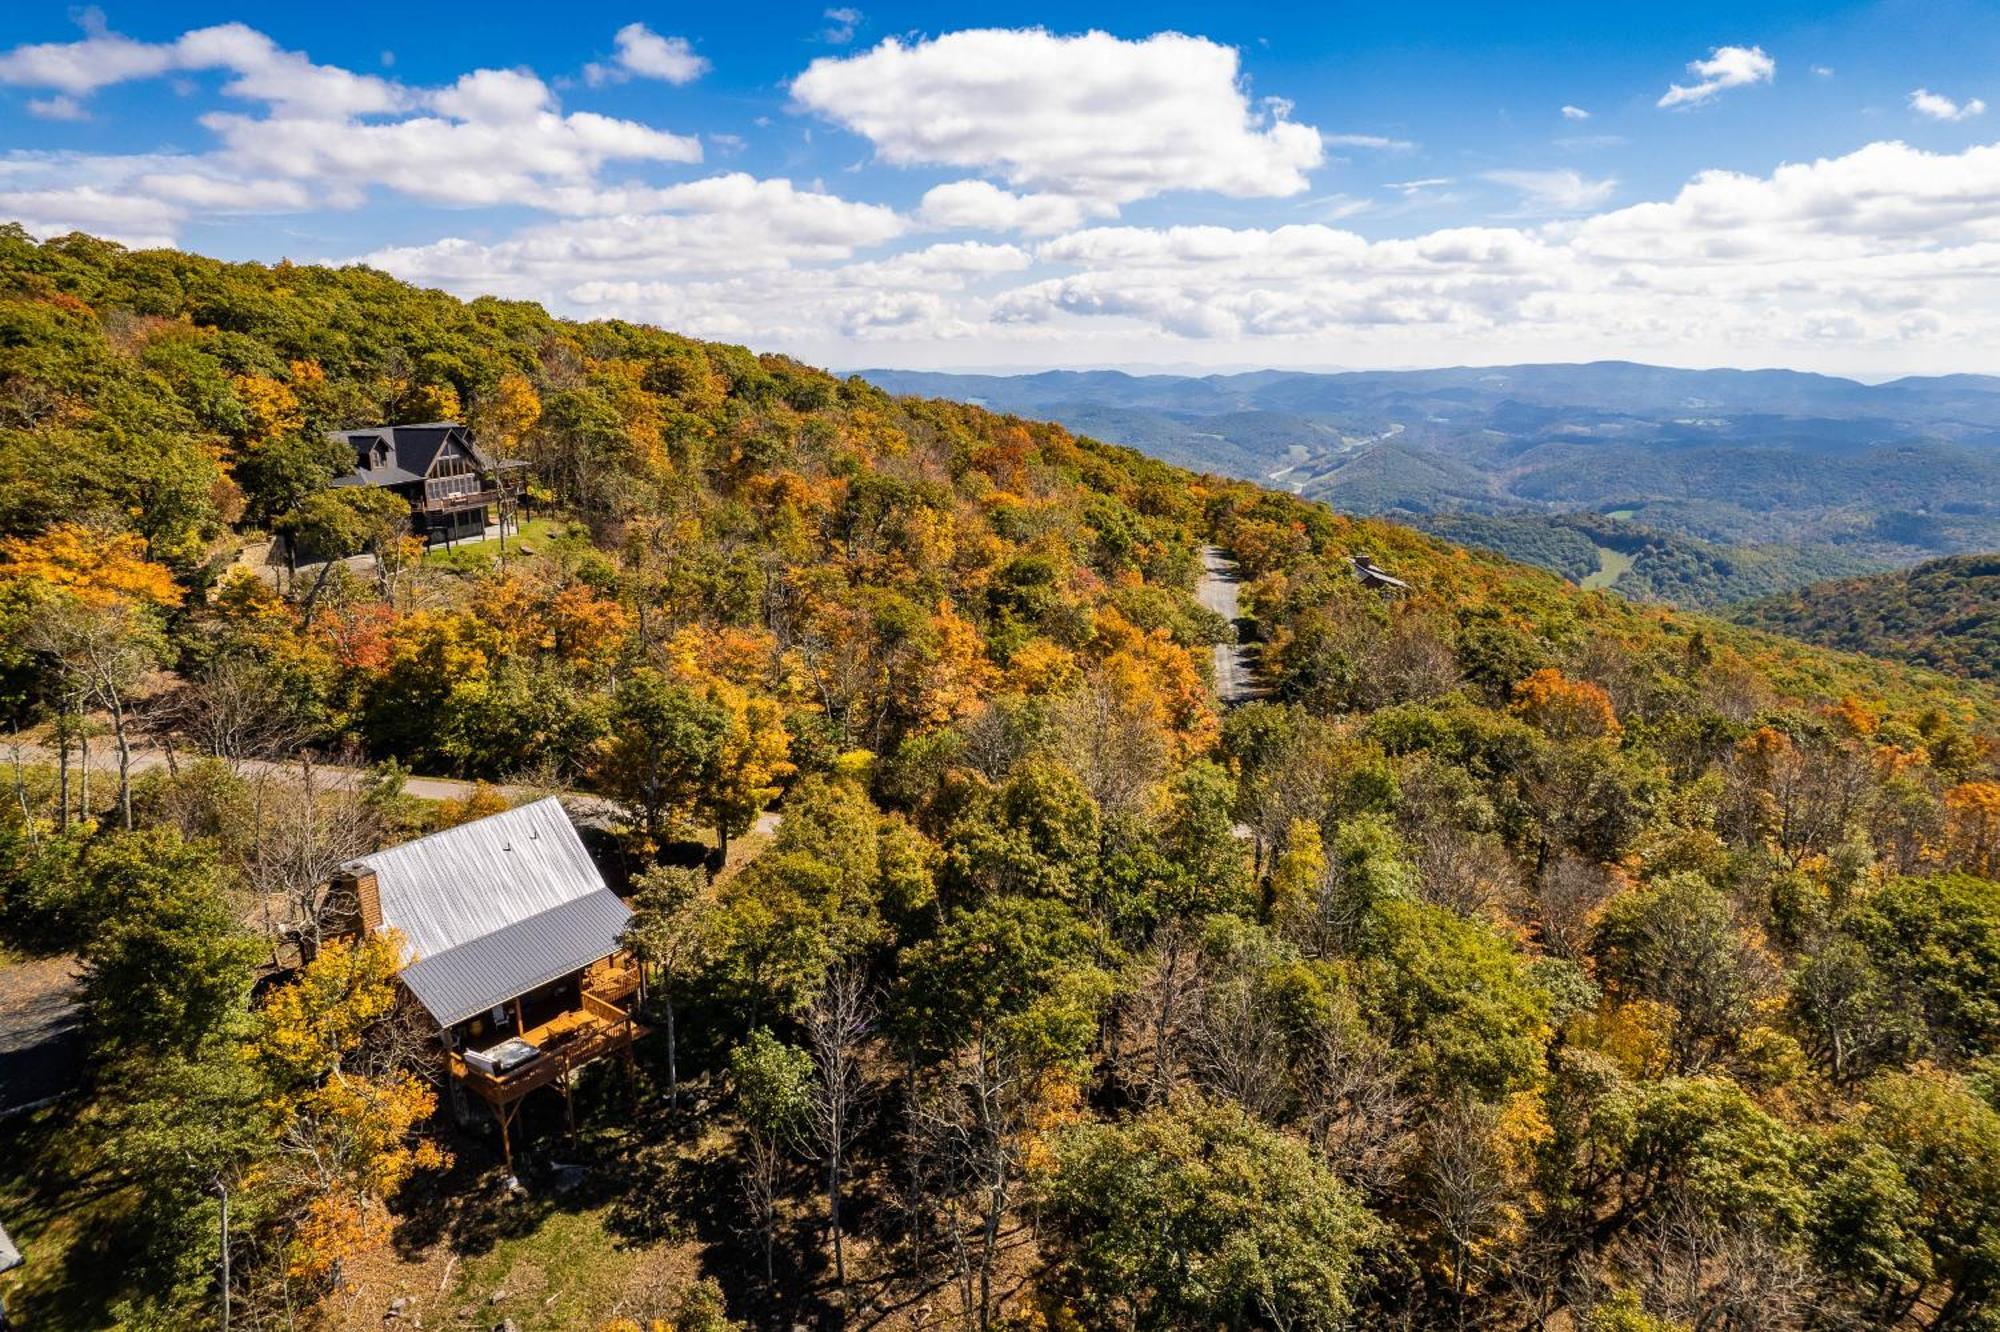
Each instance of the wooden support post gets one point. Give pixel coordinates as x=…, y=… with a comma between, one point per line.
x=569, y=1104
x=500, y=1112
x=631, y=1072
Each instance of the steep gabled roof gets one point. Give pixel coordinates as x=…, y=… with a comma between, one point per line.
x=412, y=451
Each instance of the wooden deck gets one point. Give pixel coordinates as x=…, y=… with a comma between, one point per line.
x=567, y=1042
x=613, y=980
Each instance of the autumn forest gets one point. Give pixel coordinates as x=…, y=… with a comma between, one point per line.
x=1518, y=957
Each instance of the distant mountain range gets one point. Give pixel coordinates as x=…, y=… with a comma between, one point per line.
x=1745, y=481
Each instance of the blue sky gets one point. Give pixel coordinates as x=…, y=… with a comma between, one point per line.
x=1032, y=186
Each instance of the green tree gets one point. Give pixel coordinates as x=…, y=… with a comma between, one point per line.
x=988, y=974
x=1937, y=943
x=1457, y=1001
x=664, y=739
x=166, y=968
x=279, y=475
x=1038, y=834
x=773, y=1084
x=1197, y=1216
x=1678, y=942
x=1908, y=1206
x=1705, y=1140
x=669, y=934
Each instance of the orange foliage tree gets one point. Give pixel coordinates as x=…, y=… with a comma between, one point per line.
x=1973, y=830
x=1565, y=709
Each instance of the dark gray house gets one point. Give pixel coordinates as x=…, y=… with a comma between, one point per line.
x=455, y=488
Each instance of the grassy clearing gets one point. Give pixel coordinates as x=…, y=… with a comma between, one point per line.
x=64, y=1226
x=1611, y=566
x=535, y=535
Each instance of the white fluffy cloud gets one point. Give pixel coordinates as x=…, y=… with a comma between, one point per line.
x=327, y=136
x=263, y=71
x=1575, y=113
x=644, y=54
x=723, y=224
x=1726, y=67
x=114, y=214
x=1092, y=117
x=496, y=139
x=60, y=107
x=1884, y=248
x=1939, y=107
x=980, y=205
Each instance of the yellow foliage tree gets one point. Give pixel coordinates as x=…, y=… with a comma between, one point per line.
x=1157, y=679
x=505, y=418
x=270, y=408
x=1040, y=667
x=957, y=677
x=310, y=1026
x=1973, y=834
x=753, y=758
x=349, y=1110
x=1296, y=877
x=95, y=568
x=587, y=629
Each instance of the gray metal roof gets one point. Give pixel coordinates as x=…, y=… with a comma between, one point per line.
x=466, y=882
x=493, y=908
x=490, y=970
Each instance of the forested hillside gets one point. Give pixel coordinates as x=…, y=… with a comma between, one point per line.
x=1639, y=562
x=1728, y=484
x=1944, y=614
x=1524, y=954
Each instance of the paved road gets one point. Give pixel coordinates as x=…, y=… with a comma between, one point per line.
x=584, y=804
x=1235, y=678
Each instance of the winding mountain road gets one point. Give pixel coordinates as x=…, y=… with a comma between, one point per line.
x=1235, y=677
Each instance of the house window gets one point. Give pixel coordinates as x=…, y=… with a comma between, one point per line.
x=452, y=476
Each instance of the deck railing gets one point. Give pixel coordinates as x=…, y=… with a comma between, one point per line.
x=467, y=499
x=613, y=983
x=604, y=1029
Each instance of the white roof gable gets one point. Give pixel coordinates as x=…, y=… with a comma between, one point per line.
x=467, y=882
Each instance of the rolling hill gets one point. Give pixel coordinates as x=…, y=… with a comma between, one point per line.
x=1746, y=482
x=1944, y=614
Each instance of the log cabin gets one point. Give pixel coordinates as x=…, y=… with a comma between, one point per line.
x=454, y=487
x=511, y=943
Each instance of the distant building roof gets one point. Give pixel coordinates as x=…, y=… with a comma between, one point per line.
x=1373, y=575
x=493, y=908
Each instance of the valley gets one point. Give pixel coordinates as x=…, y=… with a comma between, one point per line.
x=1720, y=485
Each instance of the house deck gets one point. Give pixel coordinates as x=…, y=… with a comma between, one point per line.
x=567, y=1041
